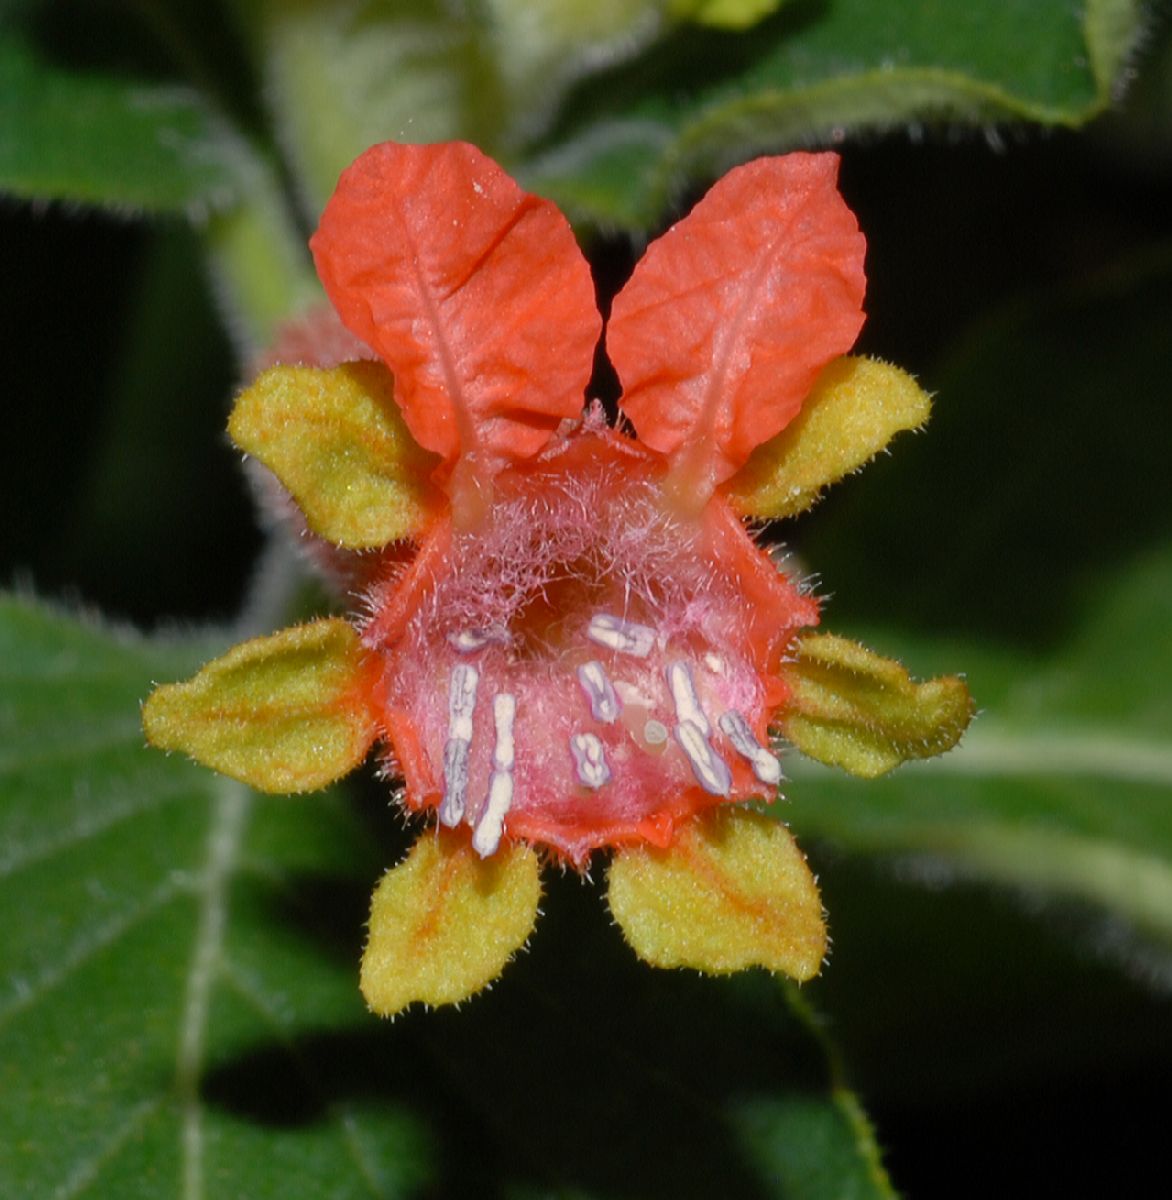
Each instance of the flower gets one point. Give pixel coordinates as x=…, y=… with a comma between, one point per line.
x=570, y=642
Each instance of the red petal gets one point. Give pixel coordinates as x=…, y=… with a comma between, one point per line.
x=473, y=292
x=730, y=316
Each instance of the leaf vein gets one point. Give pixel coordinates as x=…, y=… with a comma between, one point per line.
x=83, y=1175
x=89, y=825
x=228, y=821
x=87, y=948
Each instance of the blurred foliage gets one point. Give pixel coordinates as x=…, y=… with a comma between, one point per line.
x=178, y=1001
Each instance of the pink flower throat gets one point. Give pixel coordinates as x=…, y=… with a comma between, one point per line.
x=583, y=668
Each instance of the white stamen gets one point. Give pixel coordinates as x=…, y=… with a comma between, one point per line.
x=714, y=663
x=683, y=695
x=486, y=837
x=604, y=704
x=589, y=759
x=624, y=636
x=711, y=771
x=737, y=730
x=461, y=704
x=451, y=810
x=462, y=700
x=504, y=713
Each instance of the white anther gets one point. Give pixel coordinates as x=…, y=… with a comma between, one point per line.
x=589, y=759
x=683, y=696
x=624, y=636
x=504, y=713
x=461, y=705
x=737, y=730
x=451, y=810
x=711, y=771
x=655, y=732
x=486, y=837
x=604, y=704
x=714, y=663
x=462, y=700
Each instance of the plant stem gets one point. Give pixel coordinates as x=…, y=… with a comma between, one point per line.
x=259, y=265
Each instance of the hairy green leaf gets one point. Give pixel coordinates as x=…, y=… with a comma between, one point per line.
x=163, y=931
x=106, y=137
x=700, y=100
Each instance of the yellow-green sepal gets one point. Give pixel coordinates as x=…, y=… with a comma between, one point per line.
x=444, y=923
x=335, y=438
x=733, y=891
x=854, y=709
x=857, y=406
x=286, y=713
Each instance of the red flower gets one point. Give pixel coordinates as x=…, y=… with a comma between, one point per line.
x=594, y=593
x=586, y=650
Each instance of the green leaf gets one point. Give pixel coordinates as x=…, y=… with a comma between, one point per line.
x=90, y=115
x=101, y=136
x=179, y=1006
x=701, y=100
x=161, y=925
